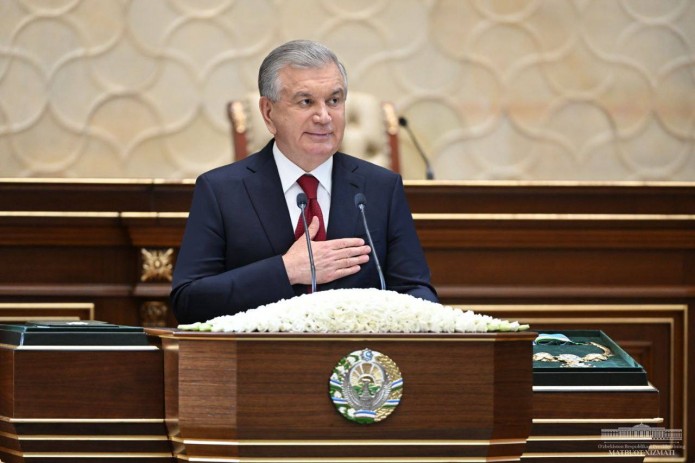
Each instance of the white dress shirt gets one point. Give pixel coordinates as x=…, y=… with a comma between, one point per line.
x=290, y=173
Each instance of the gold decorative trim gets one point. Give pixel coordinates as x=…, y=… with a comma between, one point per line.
x=76, y=457
x=349, y=460
x=95, y=437
x=86, y=348
x=87, y=307
x=596, y=420
x=67, y=437
x=547, y=217
x=351, y=442
x=550, y=183
x=47, y=305
x=7, y=419
x=94, y=214
x=416, y=216
x=582, y=438
x=608, y=320
x=594, y=389
x=61, y=214
x=579, y=307
x=452, y=183
x=463, y=217
x=157, y=264
x=154, y=215
x=99, y=181
x=39, y=318
x=556, y=456
x=234, y=337
x=153, y=313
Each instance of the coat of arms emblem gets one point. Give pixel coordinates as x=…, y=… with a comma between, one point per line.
x=366, y=386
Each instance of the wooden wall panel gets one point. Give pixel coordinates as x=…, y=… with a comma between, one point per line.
x=503, y=243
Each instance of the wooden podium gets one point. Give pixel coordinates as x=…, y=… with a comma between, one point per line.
x=265, y=398
x=80, y=392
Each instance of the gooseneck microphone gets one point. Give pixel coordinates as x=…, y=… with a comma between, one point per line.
x=403, y=122
x=302, y=202
x=360, y=202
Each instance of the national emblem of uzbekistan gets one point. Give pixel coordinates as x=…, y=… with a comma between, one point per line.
x=366, y=386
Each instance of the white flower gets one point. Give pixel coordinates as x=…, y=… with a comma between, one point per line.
x=355, y=311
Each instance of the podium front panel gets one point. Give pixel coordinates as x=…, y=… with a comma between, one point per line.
x=267, y=396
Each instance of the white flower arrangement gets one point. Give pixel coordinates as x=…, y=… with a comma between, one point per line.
x=355, y=311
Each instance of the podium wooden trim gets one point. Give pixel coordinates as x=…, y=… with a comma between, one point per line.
x=25, y=311
x=265, y=398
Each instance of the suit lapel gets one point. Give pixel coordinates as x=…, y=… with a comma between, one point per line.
x=268, y=200
x=344, y=217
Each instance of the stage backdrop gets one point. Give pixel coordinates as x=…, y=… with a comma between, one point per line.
x=529, y=90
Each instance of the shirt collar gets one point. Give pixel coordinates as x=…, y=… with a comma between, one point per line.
x=290, y=172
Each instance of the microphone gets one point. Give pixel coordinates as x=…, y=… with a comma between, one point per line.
x=403, y=122
x=360, y=202
x=302, y=202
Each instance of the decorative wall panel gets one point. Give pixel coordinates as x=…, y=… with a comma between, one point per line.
x=529, y=90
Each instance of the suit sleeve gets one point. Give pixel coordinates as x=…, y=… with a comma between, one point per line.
x=406, y=270
x=206, y=284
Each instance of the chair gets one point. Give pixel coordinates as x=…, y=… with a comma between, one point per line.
x=371, y=129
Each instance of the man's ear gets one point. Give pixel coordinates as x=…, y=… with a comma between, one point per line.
x=266, y=107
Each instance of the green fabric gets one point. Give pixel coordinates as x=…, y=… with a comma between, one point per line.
x=620, y=358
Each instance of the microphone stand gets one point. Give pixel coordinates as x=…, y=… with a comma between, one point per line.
x=403, y=122
x=301, y=203
x=360, y=201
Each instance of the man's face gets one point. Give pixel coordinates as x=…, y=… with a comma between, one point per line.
x=308, y=120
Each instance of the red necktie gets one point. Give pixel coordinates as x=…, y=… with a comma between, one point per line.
x=310, y=185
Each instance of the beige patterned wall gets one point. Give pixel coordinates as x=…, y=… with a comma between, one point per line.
x=507, y=89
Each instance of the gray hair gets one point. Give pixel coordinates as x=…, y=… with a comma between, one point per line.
x=305, y=54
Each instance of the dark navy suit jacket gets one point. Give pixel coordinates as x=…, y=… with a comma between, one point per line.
x=238, y=228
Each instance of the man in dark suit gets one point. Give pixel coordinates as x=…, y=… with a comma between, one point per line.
x=241, y=248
